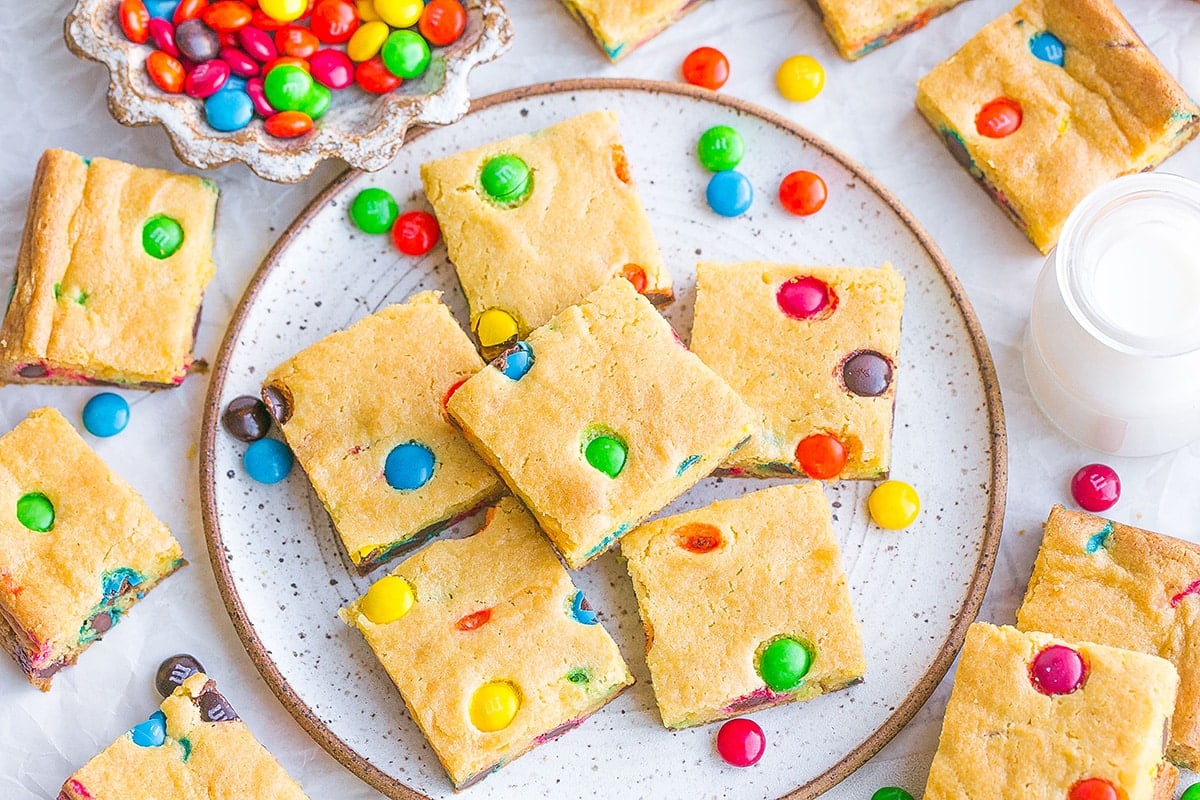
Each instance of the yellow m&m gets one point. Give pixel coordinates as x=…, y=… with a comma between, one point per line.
x=400, y=13
x=388, y=599
x=894, y=505
x=366, y=41
x=494, y=705
x=495, y=327
x=283, y=10
x=366, y=10
x=800, y=78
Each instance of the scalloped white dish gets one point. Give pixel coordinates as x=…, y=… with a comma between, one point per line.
x=283, y=577
x=365, y=130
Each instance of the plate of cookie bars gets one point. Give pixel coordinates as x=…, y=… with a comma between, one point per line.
x=598, y=419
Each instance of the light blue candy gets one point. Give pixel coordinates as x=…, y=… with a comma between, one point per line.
x=516, y=362
x=1048, y=47
x=106, y=415
x=152, y=732
x=162, y=9
x=268, y=460
x=409, y=466
x=233, y=83
x=729, y=193
x=229, y=109
x=581, y=612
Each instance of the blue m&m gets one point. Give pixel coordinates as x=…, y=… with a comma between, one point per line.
x=581, y=611
x=729, y=193
x=1048, y=47
x=152, y=732
x=409, y=466
x=268, y=460
x=106, y=415
x=514, y=363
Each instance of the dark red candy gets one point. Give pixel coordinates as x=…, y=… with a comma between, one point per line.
x=206, y=79
x=196, y=41
x=174, y=671
x=246, y=418
x=163, y=34
x=258, y=96
x=1057, y=669
x=214, y=707
x=867, y=373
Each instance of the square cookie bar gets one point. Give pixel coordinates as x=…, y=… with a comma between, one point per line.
x=193, y=748
x=715, y=649
x=535, y=222
x=78, y=546
x=858, y=27
x=621, y=26
x=110, y=275
x=1059, y=720
x=363, y=411
x=599, y=419
x=1105, y=582
x=492, y=647
x=1051, y=101
x=813, y=350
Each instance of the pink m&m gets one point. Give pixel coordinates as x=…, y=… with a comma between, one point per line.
x=1096, y=487
x=333, y=68
x=205, y=79
x=806, y=297
x=741, y=742
x=1057, y=669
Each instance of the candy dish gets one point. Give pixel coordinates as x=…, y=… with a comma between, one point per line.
x=364, y=130
x=913, y=591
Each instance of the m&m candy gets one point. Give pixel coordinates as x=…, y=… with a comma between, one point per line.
x=442, y=22
x=268, y=460
x=415, y=233
x=229, y=110
x=821, y=456
x=1191, y=793
x=720, y=148
x=495, y=327
x=283, y=10
x=405, y=54
x=800, y=78
x=729, y=193
x=246, y=418
x=891, y=793
x=802, y=193
x=374, y=210
x=999, y=118
x=894, y=505
x=607, y=454
x=506, y=179
x=706, y=67
x=741, y=742
x=106, y=414
x=409, y=466
x=35, y=512
x=152, y=732
x=1057, y=669
x=1094, y=789
x=1047, y=47
x=388, y=599
x=1096, y=487
x=805, y=297
x=783, y=664
x=162, y=236
x=494, y=706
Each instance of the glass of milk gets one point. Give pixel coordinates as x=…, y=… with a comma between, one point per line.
x=1112, y=351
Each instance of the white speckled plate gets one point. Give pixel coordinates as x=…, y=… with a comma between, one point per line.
x=915, y=591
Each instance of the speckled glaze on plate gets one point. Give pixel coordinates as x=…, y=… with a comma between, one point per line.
x=363, y=129
x=915, y=591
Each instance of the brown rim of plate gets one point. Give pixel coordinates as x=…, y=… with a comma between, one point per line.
x=391, y=787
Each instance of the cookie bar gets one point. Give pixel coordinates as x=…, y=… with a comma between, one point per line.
x=492, y=647
x=110, y=275
x=814, y=351
x=621, y=26
x=567, y=219
x=193, y=748
x=858, y=27
x=715, y=649
x=78, y=546
x=1049, y=102
x=1057, y=719
x=378, y=449
x=593, y=422
x=1146, y=584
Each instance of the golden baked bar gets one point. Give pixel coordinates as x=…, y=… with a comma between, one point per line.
x=381, y=454
x=578, y=224
x=492, y=647
x=814, y=351
x=621, y=26
x=1051, y=101
x=858, y=27
x=610, y=419
x=1110, y=583
x=110, y=275
x=193, y=748
x=1038, y=716
x=745, y=605
x=78, y=546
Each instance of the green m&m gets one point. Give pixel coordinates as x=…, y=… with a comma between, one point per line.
x=162, y=236
x=783, y=664
x=506, y=179
x=720, y=148
x=405, y=54
x=374, y=210
x=317, y=101
x=607, y=454
x=35, y=512
x=287, y=87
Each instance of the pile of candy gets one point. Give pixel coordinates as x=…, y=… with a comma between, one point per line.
x=282, y=59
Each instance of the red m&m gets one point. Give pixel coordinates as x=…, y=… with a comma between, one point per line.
x=1057, y=669
x=999, y=118
x=1096, y=487
x=706, y=67
x=802, y=193
x=415, y=233
x=806, y=297
x=741, y=742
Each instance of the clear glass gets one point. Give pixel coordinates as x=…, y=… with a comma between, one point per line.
x=1112, y=351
